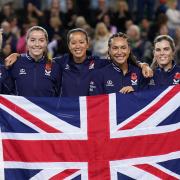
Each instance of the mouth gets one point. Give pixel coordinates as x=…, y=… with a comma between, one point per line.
x=78, y=51
x=120, y=57
x=163, y=58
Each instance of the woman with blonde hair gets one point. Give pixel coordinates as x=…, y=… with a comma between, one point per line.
x=100, y=42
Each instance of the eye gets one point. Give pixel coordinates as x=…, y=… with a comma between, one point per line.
x=32, y=40
x=167, y=48
x=82, y=42
x=114, y=48
x=73, y=42
x=157, y=50
x=42, y=40
x=124, y=47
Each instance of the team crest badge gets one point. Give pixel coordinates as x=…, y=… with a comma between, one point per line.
x=134, y=78
x=48, y=68
x=176, y=78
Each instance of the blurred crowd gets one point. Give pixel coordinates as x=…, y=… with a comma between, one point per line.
x=141, y=20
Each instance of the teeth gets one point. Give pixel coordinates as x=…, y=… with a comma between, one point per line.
x=78, y=51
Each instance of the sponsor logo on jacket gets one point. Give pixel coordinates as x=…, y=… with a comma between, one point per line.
x=109, y=83
x=22, y=71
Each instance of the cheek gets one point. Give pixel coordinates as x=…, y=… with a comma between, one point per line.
x=70, y=47
x=45, y=46
x=156, y=55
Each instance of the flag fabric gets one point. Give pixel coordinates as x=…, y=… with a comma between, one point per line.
x=115, y=136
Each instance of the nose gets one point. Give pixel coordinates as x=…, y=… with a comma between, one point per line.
x=36, y=43
x=119, y=50
x=162, y=52
x=78, y=45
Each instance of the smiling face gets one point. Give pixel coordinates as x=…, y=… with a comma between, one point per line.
x=119, y=50
x=36, y=44
x=78, y=45
x=163, y=54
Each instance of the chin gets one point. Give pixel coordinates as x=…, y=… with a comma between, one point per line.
x=120, y=62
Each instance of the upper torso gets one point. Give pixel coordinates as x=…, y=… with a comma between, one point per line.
x=166, y=78
x=111, y=79
x=35, y=78
x=76, y=76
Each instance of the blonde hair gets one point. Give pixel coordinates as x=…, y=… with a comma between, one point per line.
x=99, y=26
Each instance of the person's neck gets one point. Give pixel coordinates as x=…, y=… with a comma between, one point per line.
x=166, y=67
x=123, y=67
x=36, y=58
x=79, y=60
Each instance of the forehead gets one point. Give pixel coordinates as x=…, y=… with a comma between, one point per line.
x=37, y=33
x=119, y=41
x=75, y=35
x=162, y=44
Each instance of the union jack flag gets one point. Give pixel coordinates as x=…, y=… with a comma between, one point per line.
x=116, y=136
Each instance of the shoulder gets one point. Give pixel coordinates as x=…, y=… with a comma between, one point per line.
x=177, y=67
x=2, y=68
x=100, y=63
x=101, y=72
x=134, y=68
x=62, y=60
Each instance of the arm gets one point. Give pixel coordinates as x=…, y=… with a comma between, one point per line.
x=11, y=59
x=146, y=70
x=7, y=86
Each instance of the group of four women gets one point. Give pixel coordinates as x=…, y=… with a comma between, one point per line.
x=80, y=74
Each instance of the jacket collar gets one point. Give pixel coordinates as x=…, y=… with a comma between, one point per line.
x=42, y=59
x=169, y=70
x=119, y=70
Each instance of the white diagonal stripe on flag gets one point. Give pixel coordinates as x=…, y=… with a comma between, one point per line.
x=135, y=173
x=44, y=136
x=165, y=170
x=147, y=160
x=158, y=116
x=145, y=131
x=144, y=109
x=41, y=114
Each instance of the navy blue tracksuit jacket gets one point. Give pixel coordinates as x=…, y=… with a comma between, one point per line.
x=165, y=78
x=110, y=79
x=33, y=78
x=5, y=81
x=76, y=77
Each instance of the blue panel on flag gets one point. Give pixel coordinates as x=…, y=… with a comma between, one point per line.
x=66, y=109
x=172, y=165
x=8, y=123
x=172, y=118
x=20, y=174
x=124, y=177
x=132, y=103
